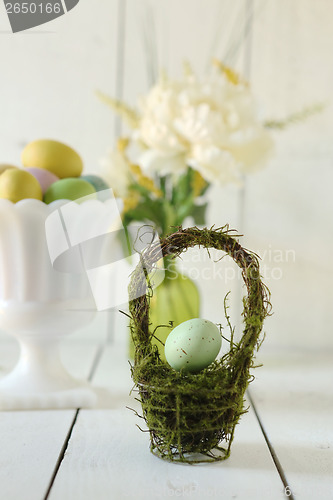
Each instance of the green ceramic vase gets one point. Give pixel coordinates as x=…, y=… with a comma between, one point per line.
x=176, y=299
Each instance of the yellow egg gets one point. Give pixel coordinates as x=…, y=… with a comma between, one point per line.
x=5, y=166
x=17, y=184
x=54, y=156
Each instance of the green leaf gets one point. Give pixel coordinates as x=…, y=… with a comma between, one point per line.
x=199, y=214
x=141, y=189
x=163, y=181
x=205, y=188
x=184, y=210
x=125, y=240
x=147, y=211
x=170, y=216
x=182, y=189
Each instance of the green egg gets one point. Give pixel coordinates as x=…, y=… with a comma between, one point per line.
x=98, y=183
x=68, y=189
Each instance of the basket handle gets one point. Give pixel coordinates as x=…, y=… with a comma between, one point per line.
x=256, y=304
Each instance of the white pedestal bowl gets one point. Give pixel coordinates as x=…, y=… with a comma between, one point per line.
x=39, y=305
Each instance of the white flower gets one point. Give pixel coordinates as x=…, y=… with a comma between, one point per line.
x=158, y=110
x=160, y=136
x=115, y=169
x=201, y=125
x=251, y=147
x=215, y=165
x=152, y=161
x=210, y=125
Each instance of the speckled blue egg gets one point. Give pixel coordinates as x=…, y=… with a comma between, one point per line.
x=193, y=345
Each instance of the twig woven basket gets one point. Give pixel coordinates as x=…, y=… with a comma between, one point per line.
x=191, y=417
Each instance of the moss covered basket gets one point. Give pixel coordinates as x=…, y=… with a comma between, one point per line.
x=191, y=417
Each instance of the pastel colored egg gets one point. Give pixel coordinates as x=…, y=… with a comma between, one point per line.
x=98, y=183
x=68, y=189
x=54, y=156
x=44, y=177
x=193, y=345
x=17, y=184
x=5, y=166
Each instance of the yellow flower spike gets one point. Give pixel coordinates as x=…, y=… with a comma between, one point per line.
x=136, y=170
x=163, y=78
x=131, y=201
x=128, y=114
x=122, y=144
x=231, y=74
x=198, y=183
x=187, y=68
x=145, y=181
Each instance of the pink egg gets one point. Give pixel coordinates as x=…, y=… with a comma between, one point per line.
x=44, y=177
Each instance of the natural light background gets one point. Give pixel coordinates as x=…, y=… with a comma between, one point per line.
x=49, y=76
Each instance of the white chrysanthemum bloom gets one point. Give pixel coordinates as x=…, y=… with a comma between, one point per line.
x=201, y=125
x=158, y=110
x=209, y=125
x=152, y=161
x=215, y=165
x=116, y=172
x=251, y=147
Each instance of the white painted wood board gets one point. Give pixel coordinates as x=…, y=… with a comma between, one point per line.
x=293, y=395
x=30, y=441
x=289, y=203
x=109, y=458
x=49, y=78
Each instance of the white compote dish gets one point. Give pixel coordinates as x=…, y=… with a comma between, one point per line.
x=45, y=294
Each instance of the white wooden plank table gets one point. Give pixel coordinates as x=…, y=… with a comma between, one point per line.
x=101, y=454
x=293, y=397
x=31, y=441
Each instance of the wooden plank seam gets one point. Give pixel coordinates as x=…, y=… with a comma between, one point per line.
x=95, y=363
x=287, y=489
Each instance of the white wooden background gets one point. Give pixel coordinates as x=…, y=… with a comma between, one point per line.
x=48, y=79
